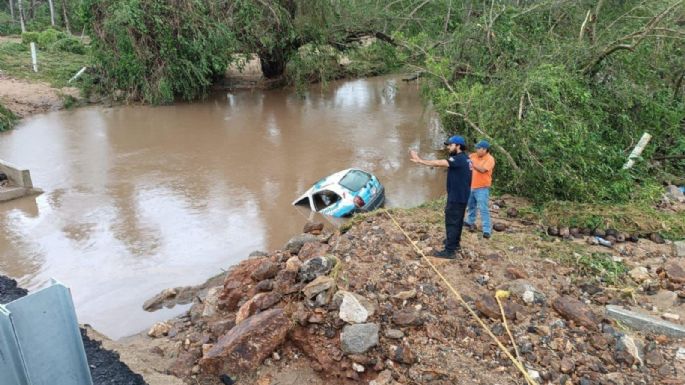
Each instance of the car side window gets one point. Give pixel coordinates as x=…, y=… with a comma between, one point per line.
x=325, y=198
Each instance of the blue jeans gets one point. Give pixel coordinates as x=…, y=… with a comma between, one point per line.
x=479, y=200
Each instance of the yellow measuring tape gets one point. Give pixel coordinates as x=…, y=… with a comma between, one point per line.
x=485, y=327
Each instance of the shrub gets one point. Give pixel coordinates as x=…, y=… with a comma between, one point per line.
x=69, y=44
x=7, y=118
x=30, y=37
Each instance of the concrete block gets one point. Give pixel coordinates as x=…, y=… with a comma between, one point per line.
x=18, y=176
x=644, y=322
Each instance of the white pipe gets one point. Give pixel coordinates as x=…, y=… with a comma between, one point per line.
x=79, y=73
x=644, y=140
x=34, y=58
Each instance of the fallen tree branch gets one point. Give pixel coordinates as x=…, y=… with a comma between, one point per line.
x=480, y=130
x=637, y=37
x=582, y=27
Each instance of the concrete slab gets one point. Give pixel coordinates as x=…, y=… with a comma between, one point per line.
x=19, y=177
x=644, y=322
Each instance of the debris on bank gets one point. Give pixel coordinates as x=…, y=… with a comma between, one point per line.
x=364, y=307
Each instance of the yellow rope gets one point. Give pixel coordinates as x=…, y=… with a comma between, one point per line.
x=485, y=327
x=505, y=294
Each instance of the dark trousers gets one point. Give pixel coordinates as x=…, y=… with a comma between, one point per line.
x=454, y=222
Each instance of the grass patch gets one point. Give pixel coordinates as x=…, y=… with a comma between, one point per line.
x=633, y=217
x=599, y=266
x=7, y=118
x=55, y=67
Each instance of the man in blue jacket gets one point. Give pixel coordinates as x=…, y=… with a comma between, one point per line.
x=458, y=191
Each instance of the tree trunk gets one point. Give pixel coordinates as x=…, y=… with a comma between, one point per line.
x=273, y=64
x=12, y=9
x=66, y=17
x=32, y=11
x=21, y=16
x=52, y=12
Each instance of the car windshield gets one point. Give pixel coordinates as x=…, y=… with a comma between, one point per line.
x=355, y=180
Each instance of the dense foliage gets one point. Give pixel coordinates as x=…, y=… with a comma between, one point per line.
x=563, y=88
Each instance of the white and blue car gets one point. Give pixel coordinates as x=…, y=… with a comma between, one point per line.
x=344, y=193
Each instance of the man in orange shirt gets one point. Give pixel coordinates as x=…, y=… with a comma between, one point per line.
x=483, y=164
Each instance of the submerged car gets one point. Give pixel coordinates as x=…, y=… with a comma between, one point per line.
x=344, y=193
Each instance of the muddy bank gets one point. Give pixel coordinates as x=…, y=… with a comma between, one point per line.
x=364, y=307
x=25, y=98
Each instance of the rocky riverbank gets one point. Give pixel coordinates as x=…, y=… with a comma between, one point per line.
x=364, y=307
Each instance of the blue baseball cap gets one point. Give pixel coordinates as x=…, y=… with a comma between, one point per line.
x=483, y=144
x=456, y=139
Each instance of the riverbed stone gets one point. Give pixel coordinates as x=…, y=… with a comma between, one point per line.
x=160, y=329
x=675, y=272
x=245, y=346
x=317, y=286
x=523, y=289
x=266, y=270
x=407, y=317
x=351, y=309
x=358, y=338
x=295, y=243
x=639, y=274
x=576, y=311
x=315, y=267
x=679, y=249
x=313, y=227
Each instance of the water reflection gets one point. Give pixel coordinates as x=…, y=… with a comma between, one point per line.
x=142, y=198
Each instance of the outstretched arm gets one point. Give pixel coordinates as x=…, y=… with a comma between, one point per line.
x=414, y=157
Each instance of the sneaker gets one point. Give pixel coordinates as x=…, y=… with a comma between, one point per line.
x=471, y=227
x=486, y=235
x=446, y=254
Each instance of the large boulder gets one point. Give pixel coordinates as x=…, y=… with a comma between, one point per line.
x=245, y=346
x=295, y=243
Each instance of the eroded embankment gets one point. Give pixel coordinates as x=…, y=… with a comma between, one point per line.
x=365, y=306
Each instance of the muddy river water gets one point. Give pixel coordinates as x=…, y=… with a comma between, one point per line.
x=139, y=198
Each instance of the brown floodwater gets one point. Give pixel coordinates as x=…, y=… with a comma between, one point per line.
x=140, y=198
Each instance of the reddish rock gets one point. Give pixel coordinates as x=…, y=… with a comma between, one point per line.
x=499, y=227
x=512, y=212
x=516, y=273
x=313, y=249
x=230, y=300
x=313, y=347
x=675, y=272
x=284, y=282
x=407, y=317
x=265, y=270
x=184, y=363
x=576, y=311
x=313, y=227
x=245, y=346
x=264, y=301
x=402, y=353
x=488, y=306
x=567, y=365
x=265, y=285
